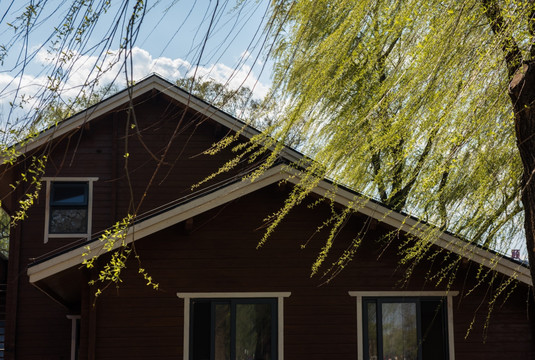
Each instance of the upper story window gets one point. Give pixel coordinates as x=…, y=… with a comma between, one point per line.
x=68, y=207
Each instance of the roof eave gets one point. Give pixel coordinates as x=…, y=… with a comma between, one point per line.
x=343, y=197
x=123, y=97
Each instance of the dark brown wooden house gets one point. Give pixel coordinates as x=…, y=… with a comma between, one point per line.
x=219, y=297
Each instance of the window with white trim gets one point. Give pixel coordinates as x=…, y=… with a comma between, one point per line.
x=405, y=328
x=68, y=207
x=233, y=329
x=233, y=326
x=405, y=325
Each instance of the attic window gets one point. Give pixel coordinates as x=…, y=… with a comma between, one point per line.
x=68, y=207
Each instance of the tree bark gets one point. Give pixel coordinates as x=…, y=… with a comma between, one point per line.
x=522, y=93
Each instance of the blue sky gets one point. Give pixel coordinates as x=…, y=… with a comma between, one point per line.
x=169, y=43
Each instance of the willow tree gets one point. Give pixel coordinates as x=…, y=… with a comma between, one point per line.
x=417, y=103
x=420, y=104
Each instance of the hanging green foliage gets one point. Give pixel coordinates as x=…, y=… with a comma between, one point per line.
x=405, y=102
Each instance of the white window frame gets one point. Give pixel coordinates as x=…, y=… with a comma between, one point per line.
x=244, y=295
x=49, y=181
x=74, y=334
x=379, y=294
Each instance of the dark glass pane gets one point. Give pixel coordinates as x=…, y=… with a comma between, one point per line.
x=68, y=220
x=69, y=194
x=201, y=330
x=253, y=332
x=400, y=333
x=222, y=332
x=77, y=344
x=434, y=334
x=372, y=331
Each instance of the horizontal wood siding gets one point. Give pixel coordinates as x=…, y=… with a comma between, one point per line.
x=98, y=149
x=218, y=254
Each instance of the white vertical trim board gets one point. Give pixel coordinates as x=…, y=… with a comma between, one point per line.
x=451, y=335
x=74, y=334
x=280, y=325
x=360, y=336
x=186, y=327
x=230, y=295
x=49, y=181
x=361, y=294
x=47, y=209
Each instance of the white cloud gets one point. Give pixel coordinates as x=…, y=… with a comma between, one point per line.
x=234, y=78
x=82, y=70
x=245, y=55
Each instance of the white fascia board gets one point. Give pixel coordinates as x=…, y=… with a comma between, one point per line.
x=144, y=86
x=156, y=223
x=275, y=174
x=85, y=116
x=215, y=114
x=411, y=226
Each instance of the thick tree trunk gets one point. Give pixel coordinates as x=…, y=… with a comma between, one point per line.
x=522, y=93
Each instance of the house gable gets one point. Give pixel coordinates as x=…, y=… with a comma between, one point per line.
x=150, y=85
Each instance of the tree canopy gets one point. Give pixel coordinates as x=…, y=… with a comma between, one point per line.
x=412, y=103
x=407, y=102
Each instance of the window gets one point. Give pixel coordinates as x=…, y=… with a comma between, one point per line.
x=405, y=325
x=405, y=328
x=68, y=207
x=240, y=329
x=233, y=326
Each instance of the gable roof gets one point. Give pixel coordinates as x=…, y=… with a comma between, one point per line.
x=152, y=82
x=55, y=263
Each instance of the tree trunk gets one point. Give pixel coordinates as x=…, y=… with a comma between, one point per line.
x=522, y=93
